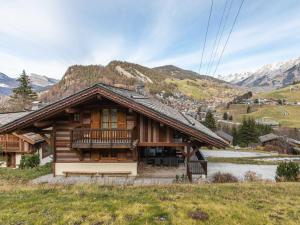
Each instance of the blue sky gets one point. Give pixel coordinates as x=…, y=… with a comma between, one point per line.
x=47, y=36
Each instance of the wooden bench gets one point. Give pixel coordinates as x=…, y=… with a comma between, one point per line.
x=102, y=174
x=68, y=173
x=115, y=173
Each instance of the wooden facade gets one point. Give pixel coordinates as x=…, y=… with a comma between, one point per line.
x=13, y=146
x=101, y=130
x=108, y=132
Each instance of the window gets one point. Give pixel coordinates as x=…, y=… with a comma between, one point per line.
x=109, y=118
x=105, y=153
x=77, y=117
x=109, y=153
x=105, y=118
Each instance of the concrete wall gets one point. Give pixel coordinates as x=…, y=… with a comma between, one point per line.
x=18, y=159
x=95, y=167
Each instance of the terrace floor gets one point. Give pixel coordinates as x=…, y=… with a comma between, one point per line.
x=150, y=171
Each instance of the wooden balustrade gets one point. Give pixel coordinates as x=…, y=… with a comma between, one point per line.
x=9, y=143
x=97, y=138
x=198, y=167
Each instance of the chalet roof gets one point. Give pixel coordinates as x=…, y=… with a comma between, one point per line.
x=11, y=116
x=6, y=118
x=268, y=137
x=224, y=135
x=131, y=99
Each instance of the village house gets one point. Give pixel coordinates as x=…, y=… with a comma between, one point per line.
x=14, y=145
x=110, y=131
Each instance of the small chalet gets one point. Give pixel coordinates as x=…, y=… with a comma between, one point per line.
x=106, y=130
x=14, y=145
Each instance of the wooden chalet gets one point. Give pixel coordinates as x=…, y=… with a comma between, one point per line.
x=14, y=145
x=106, y=130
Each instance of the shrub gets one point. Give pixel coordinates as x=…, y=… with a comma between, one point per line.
x=287, y=171
x=224, y=178
x=29, y=161
x=251, y=176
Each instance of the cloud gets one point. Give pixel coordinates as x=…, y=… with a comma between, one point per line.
x=32, y=20
x=52, y=68
x=48, y=36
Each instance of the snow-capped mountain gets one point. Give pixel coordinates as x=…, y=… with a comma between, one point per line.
x=7, y=84
x=235, y=77
x=269, y=77
x=38, y=83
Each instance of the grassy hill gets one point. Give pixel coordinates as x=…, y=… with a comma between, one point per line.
x=290, y=93
x=287, y=116
x=166, y=79
x=246, y=203
x=204, y=89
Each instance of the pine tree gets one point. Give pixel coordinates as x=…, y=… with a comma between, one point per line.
x=235, y=136
x=210, y=121
x=248, y=109
x=22, y=96
x=225, y=116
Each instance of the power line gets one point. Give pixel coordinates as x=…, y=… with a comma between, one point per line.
x=234, y=22
x=215, y=41
x=212, y=3
x=220, y=37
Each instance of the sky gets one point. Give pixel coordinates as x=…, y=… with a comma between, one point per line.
x=48, y=36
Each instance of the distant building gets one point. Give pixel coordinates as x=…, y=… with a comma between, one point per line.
x=266, y=121
x=225, y=136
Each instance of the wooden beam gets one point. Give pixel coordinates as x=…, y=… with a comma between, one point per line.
x=43, y=123
x=99, y=97
x=72, y=110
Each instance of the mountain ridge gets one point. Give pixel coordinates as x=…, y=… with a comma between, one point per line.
x=38, y=83
x=268, y=77
x=169, y=83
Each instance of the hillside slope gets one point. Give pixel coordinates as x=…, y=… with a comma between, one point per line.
x=291, y=93
x=164, y=82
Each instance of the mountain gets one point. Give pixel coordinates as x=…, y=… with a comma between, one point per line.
x=176, y=72
x=41, y=82
x=6, y=84
x=234, y=78
x=175, y=86
x=38, y=83
x=271, y=76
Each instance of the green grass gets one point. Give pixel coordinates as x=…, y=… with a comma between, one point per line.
x=203, y=89
x=284, y=93
x=274, y=112
x=18, y=175
x=246, y=203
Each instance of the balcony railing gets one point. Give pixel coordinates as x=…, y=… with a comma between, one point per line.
x=101, y=138
x=8, y=146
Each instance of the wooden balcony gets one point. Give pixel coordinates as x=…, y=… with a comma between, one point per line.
x=10, y=146
x=83, y=138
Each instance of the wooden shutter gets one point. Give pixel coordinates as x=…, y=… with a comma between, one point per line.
x=121, y=119
x=95, y=119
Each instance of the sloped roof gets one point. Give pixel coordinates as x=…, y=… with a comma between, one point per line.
x=6, y=118
x=224, y=135
x=11, y=116
x=268, y=137
x=138, y=102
